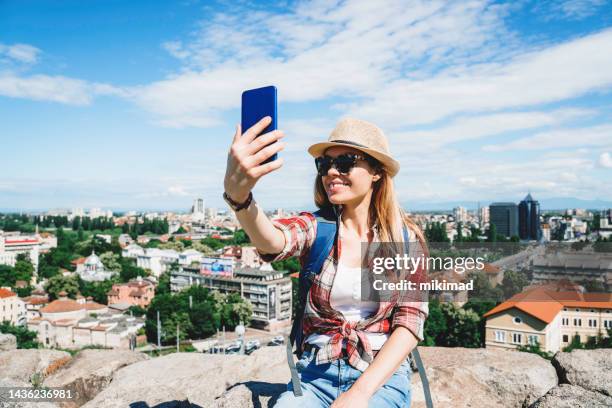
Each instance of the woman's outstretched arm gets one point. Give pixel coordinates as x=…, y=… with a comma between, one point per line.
x=244, y=169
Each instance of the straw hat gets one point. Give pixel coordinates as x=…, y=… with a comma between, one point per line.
x=360, y=135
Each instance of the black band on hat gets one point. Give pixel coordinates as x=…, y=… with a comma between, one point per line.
x=350, y=142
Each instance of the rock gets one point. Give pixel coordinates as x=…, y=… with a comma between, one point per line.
x=12, y=404
x=90, y=371
x=572, y=396
x=590, y=369
x=22, y=364
x=462, y=377
x=194, y=377
x=7, y=342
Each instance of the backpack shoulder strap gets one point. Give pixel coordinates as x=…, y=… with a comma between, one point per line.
x=326, y=233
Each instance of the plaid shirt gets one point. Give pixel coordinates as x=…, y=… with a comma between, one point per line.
x=320, y=317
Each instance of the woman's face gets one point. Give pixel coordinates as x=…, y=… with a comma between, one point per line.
x=351, y=187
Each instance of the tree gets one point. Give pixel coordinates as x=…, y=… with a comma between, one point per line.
x=291, y=264
x=450, y=326
x=7, y=276
x=513, y=283
x=241, y=238
x=60, y=283
x=492, y=233
x=130, y=271
x=111, y=261
x=164, y=284
x=26, y=339
x=459, y=237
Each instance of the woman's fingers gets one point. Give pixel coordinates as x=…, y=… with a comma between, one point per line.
x=256, y=129
x=237, y=134
x=264, y=169
x=267, y=152
x=264, y=140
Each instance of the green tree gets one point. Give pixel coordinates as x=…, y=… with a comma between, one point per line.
x=62, y=283
x=26, y=339
x=459, y=237
x=130, y=271
x=513, y=283
x=111, y=261
x=492, y=233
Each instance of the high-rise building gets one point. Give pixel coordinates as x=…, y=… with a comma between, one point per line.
x=483, y=216
x=198, y=206
x=529, y=219
x=460, y=214
x=505, y=218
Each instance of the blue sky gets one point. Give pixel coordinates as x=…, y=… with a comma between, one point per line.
x=119, y=104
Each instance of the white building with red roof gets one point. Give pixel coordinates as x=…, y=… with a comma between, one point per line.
x=12, y=308
x=57, y=319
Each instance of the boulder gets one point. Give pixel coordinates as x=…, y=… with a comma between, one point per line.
x=198, y=378
x=31, y=366
x=7, y=342
x=590, y=369
x=90, y=371
x=572, y=396
x=462, y=377
x=5, y=402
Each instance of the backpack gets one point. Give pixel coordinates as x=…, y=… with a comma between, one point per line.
x=326, y=235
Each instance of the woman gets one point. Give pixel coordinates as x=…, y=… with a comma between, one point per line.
x=355, y=350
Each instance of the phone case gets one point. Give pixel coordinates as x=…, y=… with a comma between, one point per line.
x=257, y=104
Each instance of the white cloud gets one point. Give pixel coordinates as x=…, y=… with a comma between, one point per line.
x=605, y=160
x=577, y=9
x=317, y=51
x=54, y=88
x=24, y=53
x=481, y=126
x=599, y=135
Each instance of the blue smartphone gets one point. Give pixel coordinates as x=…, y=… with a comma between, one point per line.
x=257, y=104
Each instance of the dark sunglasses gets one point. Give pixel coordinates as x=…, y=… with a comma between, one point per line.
x=343, y=163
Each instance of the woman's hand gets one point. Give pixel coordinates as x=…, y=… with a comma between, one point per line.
x=246, y=153
x=351, y=399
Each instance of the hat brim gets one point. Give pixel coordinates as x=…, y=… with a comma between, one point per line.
x=391, y=165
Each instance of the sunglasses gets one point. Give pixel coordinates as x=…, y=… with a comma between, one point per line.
x=343, y=163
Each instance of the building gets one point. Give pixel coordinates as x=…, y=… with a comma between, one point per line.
x=137, y=292
x=33, y=303
x=12, y=308
x=132, y=251
x=580, y=267
x=267, y=290
x=157, y=260
x=505, y=218
x=77, y=323
x=483, y=217
x=12, y=245
x=460, y=214
x=529, y=219
x=548, y=317
x=92, y=269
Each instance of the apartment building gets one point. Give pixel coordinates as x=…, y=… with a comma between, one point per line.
x=548, y=317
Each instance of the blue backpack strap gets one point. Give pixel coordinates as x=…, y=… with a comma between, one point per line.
x=322, y=245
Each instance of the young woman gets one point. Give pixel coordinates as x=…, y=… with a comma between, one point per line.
x=355, y=351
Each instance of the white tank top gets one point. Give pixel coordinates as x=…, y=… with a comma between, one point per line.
x=345, y=297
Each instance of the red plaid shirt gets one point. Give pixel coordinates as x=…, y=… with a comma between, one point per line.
x=319, y=317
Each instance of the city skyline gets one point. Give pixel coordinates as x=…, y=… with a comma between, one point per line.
x=117, y=106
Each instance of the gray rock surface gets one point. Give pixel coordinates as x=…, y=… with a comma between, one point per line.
x=198, y=378
x=21, y=365
x=590, y=369
x=572, y=396
x=7, y=342
x=90, y=371
x=462, y=377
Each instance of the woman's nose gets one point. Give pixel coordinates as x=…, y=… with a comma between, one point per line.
x=333, y=171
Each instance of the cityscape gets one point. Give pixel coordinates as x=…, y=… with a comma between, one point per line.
x=81, y=278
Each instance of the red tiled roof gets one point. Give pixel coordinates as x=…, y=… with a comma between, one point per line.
x=5, y=293
x=94, y=306
x=61, y=306
x=546, y=304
